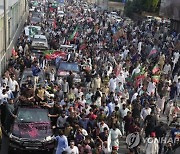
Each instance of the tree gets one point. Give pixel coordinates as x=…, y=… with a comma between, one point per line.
x=137, y=6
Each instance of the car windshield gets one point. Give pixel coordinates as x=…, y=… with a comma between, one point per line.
x=29, y=74
x=35, y=19
x=39, y=39
x=69, y=67
x=32, y=115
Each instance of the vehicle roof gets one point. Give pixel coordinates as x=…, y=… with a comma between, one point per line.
x=113, y=13
x=40, y=36
x=21, y=107
x=29, y=70
x=38, y=27
x=69, y=62
x=60, y=11
x=66, y=46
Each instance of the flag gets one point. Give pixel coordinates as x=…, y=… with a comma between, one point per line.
x=156, y=78
x=155, y=69
x=152, y=52
x=138, y=77
x=52, y=54
x=74, y=34
x=33, y=31
x=14, y=53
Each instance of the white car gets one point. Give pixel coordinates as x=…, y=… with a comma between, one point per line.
x=39, y=42
x=60, y=14
x=113, y=15
x=118, y=19
x=149, y=18
x=30, y=31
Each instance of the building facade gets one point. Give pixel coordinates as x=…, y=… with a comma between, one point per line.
x=16, y=14
x=171, y=9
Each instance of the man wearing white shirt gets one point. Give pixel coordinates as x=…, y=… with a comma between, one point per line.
x=120, y=78
x=145, y=111
x=167, y=68
x=4, y=80
x=13, y=85
x=125, y=73
x=3, y=96
x=139, y=46
x=102, y=125
x=72, y=149
x=112, y=84
x=151, y=88
x=114, y=137
x=136, y=70
x=9, y=93
x=125, y=53
x=124, y=111
x=88, y=97
x=2, y=87
x=105, y=108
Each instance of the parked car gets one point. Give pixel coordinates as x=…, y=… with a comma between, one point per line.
x=64, y=69
x=31, y=130
x=60, y=14
x=28, y=72
x=39, y=42
x=35, y=20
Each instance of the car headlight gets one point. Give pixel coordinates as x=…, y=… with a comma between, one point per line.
x=14, y=138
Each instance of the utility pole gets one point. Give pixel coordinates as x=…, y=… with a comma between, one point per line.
x=5, y=27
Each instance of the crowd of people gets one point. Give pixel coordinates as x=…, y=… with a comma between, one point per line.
x=130, y=81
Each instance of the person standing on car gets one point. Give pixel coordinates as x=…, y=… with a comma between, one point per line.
x=62, y=142
x=70, y=78
x=35, y=71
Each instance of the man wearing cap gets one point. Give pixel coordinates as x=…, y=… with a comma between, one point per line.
x=152, y=146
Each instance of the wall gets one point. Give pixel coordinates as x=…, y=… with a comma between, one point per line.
x=16, y=17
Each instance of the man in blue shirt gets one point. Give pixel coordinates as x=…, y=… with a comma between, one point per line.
x=35, y=72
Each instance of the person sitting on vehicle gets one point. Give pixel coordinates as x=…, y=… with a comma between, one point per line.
x=29, y=81
x=27, y=97
x=40, y=94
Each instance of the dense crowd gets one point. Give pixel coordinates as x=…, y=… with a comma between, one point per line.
x=130, y=81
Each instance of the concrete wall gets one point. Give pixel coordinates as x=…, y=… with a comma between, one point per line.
x=16, y=17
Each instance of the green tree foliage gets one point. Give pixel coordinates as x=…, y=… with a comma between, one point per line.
x=137, y=6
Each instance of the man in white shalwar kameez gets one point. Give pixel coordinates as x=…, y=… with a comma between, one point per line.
x=112, y=84
x=114, y=137
x=152, y=145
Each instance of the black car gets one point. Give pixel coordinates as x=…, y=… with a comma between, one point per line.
x=28, y=73
x=64, y=69
x=32, y=130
